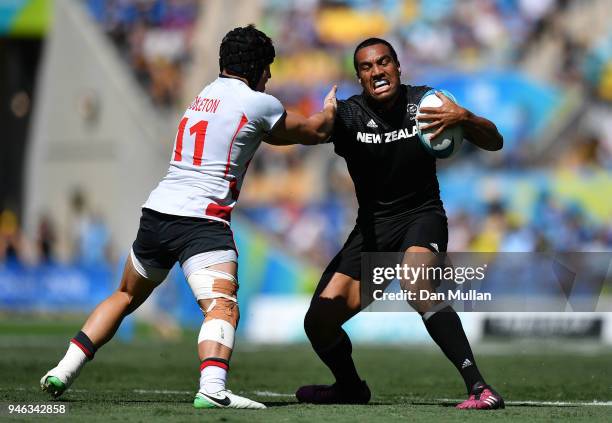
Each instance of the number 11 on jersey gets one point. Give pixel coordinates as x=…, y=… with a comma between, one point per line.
x=199, y=129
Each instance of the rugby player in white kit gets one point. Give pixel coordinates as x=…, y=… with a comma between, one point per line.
x=186, y=218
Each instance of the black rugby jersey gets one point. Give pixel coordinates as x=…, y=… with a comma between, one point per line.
x=392, y=172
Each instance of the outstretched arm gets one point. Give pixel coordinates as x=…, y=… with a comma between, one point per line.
x=478, y=130
x=294, y=128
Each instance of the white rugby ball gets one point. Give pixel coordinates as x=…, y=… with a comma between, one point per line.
x=448, y=142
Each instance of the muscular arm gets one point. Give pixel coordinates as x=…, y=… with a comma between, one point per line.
x=481, y=132
x=294, y=128
x=478, y=130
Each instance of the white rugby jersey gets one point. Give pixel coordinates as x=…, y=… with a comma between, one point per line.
x=215, y=142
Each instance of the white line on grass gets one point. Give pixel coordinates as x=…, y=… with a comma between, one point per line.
x=160, y=391
x=561, y=403
x=163, y=391
x=272, y=394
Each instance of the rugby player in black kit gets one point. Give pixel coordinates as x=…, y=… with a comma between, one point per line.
x=400, y=210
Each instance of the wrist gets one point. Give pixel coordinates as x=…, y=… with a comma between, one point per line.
x=329, y=110
x=329, y=106
x=466, y=115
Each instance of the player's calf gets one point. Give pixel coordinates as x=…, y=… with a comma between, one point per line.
x=349, y=388
x=100, y=327
x=216, y=292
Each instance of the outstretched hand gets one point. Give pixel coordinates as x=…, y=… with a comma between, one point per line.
x=330, y=101
x=445, y=116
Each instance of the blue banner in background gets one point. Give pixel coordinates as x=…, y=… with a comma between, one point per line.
x=53, y=286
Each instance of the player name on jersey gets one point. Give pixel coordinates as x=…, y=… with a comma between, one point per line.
x=208, y=105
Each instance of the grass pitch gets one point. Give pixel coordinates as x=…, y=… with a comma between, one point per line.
x=148, y=380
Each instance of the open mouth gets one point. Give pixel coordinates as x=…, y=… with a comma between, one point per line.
x=381, y=86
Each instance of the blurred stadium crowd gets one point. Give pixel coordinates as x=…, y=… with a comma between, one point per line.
x=90, y=242
x=304, y=197
x=154, y=37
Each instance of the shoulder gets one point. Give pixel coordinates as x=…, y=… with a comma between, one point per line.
x=253, y=103
x=350, y=109
x=356, y=101
x=263, y=110
x=263, y=97
x=260, y=103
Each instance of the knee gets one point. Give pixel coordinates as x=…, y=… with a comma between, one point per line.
x=311, y=322
x=123, y=301
x=123, y=296
x=319, y=326
x=223, y=309
x=216, y=293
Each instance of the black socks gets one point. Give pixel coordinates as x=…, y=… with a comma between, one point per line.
x=338, y=358
x=446, y=330
x=84, y=343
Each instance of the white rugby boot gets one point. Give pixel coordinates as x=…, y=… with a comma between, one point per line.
x=224, y=399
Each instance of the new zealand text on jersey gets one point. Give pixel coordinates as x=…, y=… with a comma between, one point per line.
x=387, y=136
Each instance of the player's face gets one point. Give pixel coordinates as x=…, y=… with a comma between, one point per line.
x=378, y=73
x=261, y=85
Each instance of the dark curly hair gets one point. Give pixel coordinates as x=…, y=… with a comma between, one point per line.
x=246, y=51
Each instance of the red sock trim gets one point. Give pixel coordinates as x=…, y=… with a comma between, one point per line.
x=82, y=347
x=208, y=362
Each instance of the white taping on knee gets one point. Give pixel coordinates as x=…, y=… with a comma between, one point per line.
x=217, y=330
x=201, y=284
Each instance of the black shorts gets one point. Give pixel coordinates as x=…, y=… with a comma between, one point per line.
x=164, y=239
x=426, y=228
